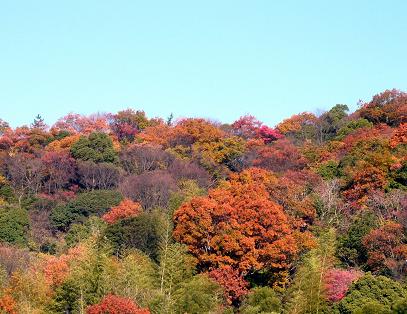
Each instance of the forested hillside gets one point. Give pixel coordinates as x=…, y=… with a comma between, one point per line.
x=122, y=213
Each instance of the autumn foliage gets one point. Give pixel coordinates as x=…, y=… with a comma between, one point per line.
x=123, y=213
x=232, y=282
x=387, y=248
x=338, y=281
x=112, y=304
x=126, y=209
x=238, y=225
x=8, y=304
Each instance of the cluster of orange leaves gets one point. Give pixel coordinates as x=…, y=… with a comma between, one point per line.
x=56, y=268
x=399, y=136
x=63, y=144
x=126, y=209
x=296, y=122
x=364, y=181
x=388, y=107
x=238, y=224
x=8, y=304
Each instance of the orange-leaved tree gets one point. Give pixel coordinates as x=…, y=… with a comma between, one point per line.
x=399, y=136
x=126, y=209
x=239, y=225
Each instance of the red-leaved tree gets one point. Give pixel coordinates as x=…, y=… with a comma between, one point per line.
x=233, y=283
x=386, y=248
x=338, y=281
x=113, y=304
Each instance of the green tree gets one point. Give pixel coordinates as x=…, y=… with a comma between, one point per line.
x=88, y=279
x=175, y=268
x=371, y=292
x=199, y=295
x=143, y=232
x=350, y=248
x=373, y=307
x=67, y=299
x=38, y=123
x=79, y=232
x=351, y=126
x=261, y=300
x=329, y=170
x=86, y=204
x=14, y=224
x=331, y=121
x=134, y=276
x=307, y=294
x=98, y=147
x=400, y=307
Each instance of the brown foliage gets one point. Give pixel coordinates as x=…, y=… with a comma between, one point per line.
x=137, y=159
x=98, y=175
x=151, y=189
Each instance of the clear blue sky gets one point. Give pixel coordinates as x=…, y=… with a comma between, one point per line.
x=217, y=59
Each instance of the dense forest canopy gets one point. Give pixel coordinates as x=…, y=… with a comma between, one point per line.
x=122, y=213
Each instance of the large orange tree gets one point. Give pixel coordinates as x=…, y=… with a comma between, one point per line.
x=239, y=225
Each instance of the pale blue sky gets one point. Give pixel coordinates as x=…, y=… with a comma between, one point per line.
x=216, y=59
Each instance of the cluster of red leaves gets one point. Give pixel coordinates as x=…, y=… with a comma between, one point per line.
x=127, y=123
x=363, y=137
x=268, y=134
x=233, y=283
x=386, y=248
x=246, y=126
x=338, y=281
x=249, y=127
x=279, y=157
x=113, y=304
x=126, y=209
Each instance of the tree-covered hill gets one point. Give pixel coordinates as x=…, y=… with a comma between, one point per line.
x=122, y=213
